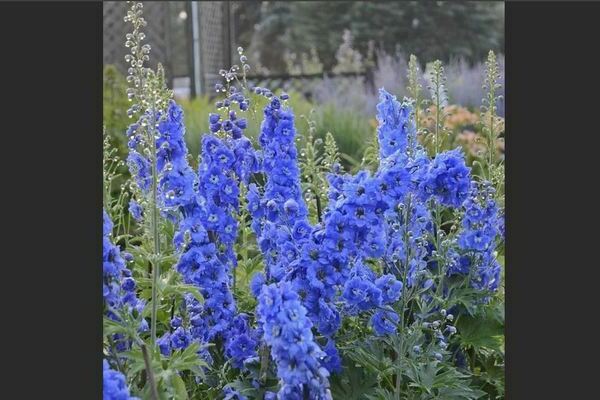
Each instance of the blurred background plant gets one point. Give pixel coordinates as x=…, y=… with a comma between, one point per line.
x=329, y=54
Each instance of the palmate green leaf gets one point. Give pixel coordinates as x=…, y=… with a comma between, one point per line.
x=371, y=356
x=188, y=360
x=353, y=384
x=381, y=394
x=137, y=364
x=437, y=380
x=481, y=332
x=460, y=393
x=111, y=327
x=422, y=376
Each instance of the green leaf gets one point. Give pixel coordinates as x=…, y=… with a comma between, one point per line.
x=111, y=327
x=354, y=384
x=481, y=332
x=179, y=387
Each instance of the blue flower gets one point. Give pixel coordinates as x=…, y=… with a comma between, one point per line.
x=390, y=287
x=256, y=283
x=396, y=126
x=287, y=330
x=332, y=360
x=114, y=386
x=135, y=210
x=232, y=394
x=118, y=285
x=180, y=339
x=213, y=118
x=384, y=322
x=164, y=344
x=140, y=169
x=241, y=348
x=448, y=179
x=362, y=294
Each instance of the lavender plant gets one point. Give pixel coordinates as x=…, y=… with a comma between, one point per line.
x=268, y=272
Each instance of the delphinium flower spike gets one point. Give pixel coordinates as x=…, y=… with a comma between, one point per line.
x=120, y=299
x=114, y=386
x=287, y=330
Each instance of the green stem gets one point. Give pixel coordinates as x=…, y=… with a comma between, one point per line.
x=437, y=111
x=264, y=362
x=438, y=226
x=155, y=233
x=149, y=373
x=404, y=302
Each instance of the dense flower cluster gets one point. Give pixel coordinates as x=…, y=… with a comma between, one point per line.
x=118, y=287
x=395, y=131
x=177, y=179
x=206, y=236
x=203, y=204
x=314, y=274
x=114, y=386
x=287, y=330
x=481, y=226
x=279, y=214
x=447, y=179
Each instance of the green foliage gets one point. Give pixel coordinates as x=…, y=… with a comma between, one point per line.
x=115, y=106
x=317, y=159
x=168, y=371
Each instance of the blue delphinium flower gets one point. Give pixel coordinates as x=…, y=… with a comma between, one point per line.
x=206, y=236
x=361, y=294
x=140, y=169
x=242, y=341
x=281, y=207
x=114, y=386
x=390, y=287
x=118, y=284
x=287, y=330
x=180, y=339
x=332, y=360
x=258, y=280
x=232, y=394
x=135, y=210
x=177, y=180
x=487, y=277
x=384, y=322
x=396, y=129
x=481, y=226
x=481, y=221
x=448, y=179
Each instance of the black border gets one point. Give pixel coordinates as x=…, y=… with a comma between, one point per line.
x=552, y=150
x=51, y=158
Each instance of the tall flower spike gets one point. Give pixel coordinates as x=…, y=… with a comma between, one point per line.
x=481, y=227
x=396, y=128
x=287, y=330
x=282, y=211
x=119, y=287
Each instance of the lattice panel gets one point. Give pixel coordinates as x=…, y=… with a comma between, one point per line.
x=212, y=32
